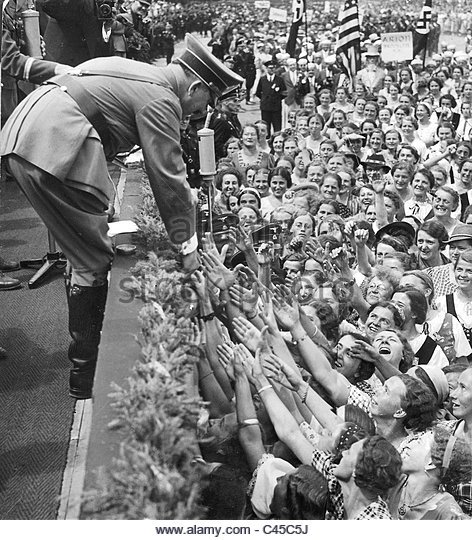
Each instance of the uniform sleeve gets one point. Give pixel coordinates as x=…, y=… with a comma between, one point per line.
x=21, y=66
x=158, y=125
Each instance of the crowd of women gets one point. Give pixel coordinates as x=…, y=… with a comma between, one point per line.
x=335, y=308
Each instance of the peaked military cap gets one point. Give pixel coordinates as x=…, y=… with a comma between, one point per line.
x=200, y=61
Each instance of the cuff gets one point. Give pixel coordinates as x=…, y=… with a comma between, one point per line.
x=28, y=66
x=190, y=245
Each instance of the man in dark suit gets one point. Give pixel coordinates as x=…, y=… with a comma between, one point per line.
x=271, y=91
x=56, y=145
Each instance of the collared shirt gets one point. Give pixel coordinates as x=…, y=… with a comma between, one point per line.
x=376, y=510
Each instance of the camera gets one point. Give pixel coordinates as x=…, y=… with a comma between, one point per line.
x=221, y=224
x=265, y=234
x=104, y=9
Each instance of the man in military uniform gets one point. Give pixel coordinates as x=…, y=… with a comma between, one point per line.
x=225, y=122
x=57, y=142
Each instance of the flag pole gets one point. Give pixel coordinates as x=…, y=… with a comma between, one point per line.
x=306, y=24
x=425, y=49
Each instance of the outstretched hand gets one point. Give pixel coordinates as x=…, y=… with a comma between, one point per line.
x=286, y=307
x=216, y=271
x=246, y=333
x=245, y=299
x=281, y=372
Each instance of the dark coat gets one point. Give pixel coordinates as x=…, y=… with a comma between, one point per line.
x=271, y=94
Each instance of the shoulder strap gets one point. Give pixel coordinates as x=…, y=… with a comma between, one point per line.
x=450, y=306
x=425, y=352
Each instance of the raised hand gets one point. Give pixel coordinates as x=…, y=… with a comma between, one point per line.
x=313, y=250
x=216, y=271
x=339, y=259
x=246, y=333
x=245, y=276
x=209, y=246
x=240, y=238
x=360, y=237
x=285, y=307
x=226, y=358
x=245, y=299
x=282, y=373
x=200, y=284
x=267, y=313
x=379, y=183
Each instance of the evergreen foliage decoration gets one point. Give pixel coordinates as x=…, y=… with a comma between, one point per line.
x=158, y=411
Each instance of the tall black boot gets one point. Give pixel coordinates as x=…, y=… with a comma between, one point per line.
x=86, y=310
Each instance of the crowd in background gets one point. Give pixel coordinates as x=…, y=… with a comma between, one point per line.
x=334, y=296
x=333, y=306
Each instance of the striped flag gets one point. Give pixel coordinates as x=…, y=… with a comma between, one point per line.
x=349, y=38
x=298, y=9
x=420, y=37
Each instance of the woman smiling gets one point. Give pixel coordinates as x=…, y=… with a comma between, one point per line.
x=431, y=238
x=459, y=303
x=419, y=205
x=445, y=202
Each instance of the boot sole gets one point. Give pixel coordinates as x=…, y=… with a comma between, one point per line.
x=10, y=287
x=78, y=395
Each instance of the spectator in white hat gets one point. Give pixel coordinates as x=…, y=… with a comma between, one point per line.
x=372, y=75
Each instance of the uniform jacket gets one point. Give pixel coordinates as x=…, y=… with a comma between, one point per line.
x=271, y=94
x=49, y=130
x=16, y=65
x=225, y=125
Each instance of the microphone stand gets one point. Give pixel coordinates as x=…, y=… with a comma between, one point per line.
x=53, y=259
x=206, y=152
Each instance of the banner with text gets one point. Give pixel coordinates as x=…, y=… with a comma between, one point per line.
x=276, y=14
x=262, y=4
x=397, y=46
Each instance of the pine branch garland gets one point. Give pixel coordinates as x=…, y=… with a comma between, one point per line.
x=156, y=413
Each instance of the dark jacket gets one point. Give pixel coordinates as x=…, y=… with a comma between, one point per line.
x=271, y=94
